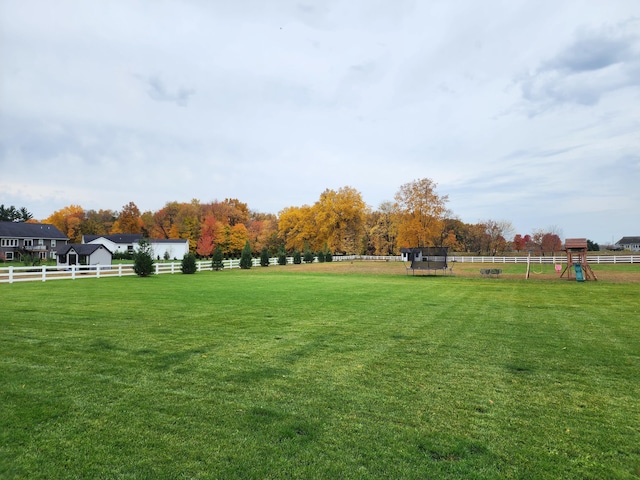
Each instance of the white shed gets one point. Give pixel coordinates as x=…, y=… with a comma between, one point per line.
x=83, y=254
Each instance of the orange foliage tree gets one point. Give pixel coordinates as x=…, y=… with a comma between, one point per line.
x=68, y=220
x=419, y=213
x=129, y=220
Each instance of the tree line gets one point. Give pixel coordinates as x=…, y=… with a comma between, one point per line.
x=339, y=222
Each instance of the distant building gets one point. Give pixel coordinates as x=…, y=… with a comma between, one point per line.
x=171, y=248
x=629, y=243
x=36, y=239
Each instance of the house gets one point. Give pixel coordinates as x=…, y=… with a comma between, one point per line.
x=21, y=238
x=629, y=243
x=83, y=254
x=128, y=243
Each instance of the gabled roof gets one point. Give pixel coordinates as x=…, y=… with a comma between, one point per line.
x=129, y=238
x=30, y=230
x=81, y=248
x=126, y=238
x=628, y=240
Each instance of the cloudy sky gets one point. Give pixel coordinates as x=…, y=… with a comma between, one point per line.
x=525, y=111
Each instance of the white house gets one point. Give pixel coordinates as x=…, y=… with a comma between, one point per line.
x=629, y=243
x=172, y=248
x=83, y=254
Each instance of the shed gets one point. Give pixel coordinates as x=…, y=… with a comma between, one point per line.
x=83, y=254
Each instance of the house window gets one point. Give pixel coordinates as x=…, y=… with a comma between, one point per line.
x=28, y=242
x=9, y=242
x=63, y=259
x=53, y=243
x=43, y=255
x=8, y=256
x=40, y=241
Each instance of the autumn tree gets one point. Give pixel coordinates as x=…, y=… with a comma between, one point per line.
x=129, y=220
x=236, y=238
x=296, y=225
x=550, y=243
x=497, y=231
x=208, y=240
x=340, y=220
x=68, y=220
x=98, y=222
x=419, y=212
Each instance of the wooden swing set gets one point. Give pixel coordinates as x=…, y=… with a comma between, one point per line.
x=576, y=250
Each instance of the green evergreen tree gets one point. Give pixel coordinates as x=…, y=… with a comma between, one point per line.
x=189, y=263
x=264, y=257
x=320, y=256
x=297, y=258
x=282, y=256
x=245, y=258
x=143, y=259
x=216, y=261
x=328, y=256
x=308, y=254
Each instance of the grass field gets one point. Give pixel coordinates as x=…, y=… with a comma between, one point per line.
x=321, y=371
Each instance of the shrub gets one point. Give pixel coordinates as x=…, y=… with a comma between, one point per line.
x=216, y=261
x=143, y=259
x=297, y=258
x=167, y=256
x=282, y=256
x=245, y=258
x=328, y=257
x=308, y=254
x=264, y=257
x=321, y=256
x=188, y=263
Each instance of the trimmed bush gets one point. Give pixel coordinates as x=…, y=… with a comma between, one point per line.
x=320, y=256
x=297, y=258
x=282, y=256
x=328, y=257
x=246, y=260
x=264, y=257
x=143, y=259
x=216, y=261
x=188, y=263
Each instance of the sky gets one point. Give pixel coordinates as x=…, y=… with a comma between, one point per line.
x=520, y=111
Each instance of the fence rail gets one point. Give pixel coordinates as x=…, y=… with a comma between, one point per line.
x=13, y=274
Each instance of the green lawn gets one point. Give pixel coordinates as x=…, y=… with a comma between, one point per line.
x=288, y=373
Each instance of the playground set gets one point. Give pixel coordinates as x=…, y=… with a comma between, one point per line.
x=576, y=250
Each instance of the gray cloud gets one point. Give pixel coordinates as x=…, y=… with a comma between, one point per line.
x=596, y=63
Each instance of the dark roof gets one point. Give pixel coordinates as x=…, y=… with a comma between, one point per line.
x=116, y=238
x=130, y=238
x=81, y=248
x=30, y=230
x=628, y=240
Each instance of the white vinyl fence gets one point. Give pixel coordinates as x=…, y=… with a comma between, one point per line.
x=45, y=273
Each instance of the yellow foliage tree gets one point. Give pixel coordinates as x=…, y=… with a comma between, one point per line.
x=340, y=221
x=68, y=221
x=419, y=213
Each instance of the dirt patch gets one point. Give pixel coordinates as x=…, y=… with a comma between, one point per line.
x=622, y=274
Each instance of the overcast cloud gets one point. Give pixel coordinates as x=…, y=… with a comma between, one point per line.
x=526, y=111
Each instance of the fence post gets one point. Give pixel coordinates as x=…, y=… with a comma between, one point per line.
x=98, y=270
x=73, y=272
x=44, y=273
x=119, y=269
x=11, y=274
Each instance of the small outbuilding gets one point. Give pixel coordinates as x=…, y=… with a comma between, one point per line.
x=75, y=254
